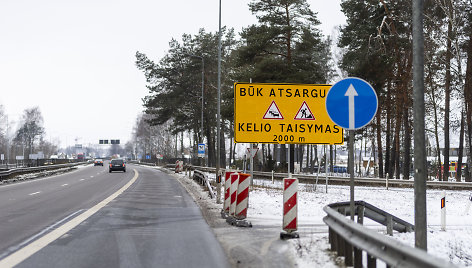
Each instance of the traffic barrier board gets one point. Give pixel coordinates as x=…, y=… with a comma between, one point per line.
x=290, y=209
x=283, y=114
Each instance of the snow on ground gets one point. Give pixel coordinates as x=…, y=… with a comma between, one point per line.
x=454, y=244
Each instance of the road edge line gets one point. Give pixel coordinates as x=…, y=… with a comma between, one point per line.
x=27, y=251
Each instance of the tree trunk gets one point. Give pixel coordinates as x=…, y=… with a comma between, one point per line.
x=379, y=145
x=461, y=149
x=230, y=148
x=468, y=107
x=222, y=145
x=407, y=144
x=468, y=169
x=211, y=147
x=331, y=158
x=398, y=121
x=283, y=155
x=447, y=99
x=292, y=156
x=388, y=149
x=264, y=157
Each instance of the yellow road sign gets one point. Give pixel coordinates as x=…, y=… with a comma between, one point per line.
x=283, y=114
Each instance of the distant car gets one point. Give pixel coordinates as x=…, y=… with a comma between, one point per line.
x=117, y=164
x=98, y=162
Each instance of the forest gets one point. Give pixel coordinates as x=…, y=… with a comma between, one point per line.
x=287, y=46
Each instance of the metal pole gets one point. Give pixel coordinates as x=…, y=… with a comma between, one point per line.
x=218, y=186
x=351, y=171
x=202, y=159
x=288, y=157
x=252, y=163
x=326, y=166
x=419, y=128
x=251, y=145
x=203, y=86
x=8, y=142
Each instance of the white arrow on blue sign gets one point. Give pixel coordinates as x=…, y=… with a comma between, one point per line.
x=351, y=103
x=201, y=150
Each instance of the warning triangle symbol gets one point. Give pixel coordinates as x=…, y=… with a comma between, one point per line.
x=304, y=113
x=273, y=112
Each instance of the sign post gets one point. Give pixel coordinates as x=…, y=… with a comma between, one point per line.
x=351, y=103
x=252, y=153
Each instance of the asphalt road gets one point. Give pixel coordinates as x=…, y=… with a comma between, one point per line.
x=153, y=223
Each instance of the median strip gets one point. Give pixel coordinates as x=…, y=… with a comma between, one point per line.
x=29, y=250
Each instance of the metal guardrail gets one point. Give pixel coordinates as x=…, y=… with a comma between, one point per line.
x=18, y=171
x=198, y=176
x=337, y=180
x=349, y=238
x=203, y=180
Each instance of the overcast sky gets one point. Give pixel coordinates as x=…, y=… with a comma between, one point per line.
x=75, y=59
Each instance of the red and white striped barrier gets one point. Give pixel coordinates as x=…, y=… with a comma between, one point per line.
x=290, y=220
x=227, y=201
x=233, y=193
x=179, y=166
x=242, y=201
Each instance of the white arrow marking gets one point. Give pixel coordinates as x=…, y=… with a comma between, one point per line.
x=351, y=93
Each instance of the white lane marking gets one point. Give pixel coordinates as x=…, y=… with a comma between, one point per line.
x=25, y=252
x=91, y=176
x=266, y=246
x=81, y=179
x=34, y=193
x=65, y=184
x=34, y=237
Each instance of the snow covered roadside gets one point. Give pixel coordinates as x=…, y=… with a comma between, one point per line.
x=311, y=250
x=261, y=246
x=454, y=244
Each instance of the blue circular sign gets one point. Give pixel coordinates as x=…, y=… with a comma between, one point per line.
x=351, y=103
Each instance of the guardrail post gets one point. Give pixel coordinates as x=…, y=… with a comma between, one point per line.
x=340, y=245
x=386, y=180
x=348, y=253
x=371, y=261
x=330, y=235
x=334, y=241
x=360, y=214
x=357, y=258
x=389, y=225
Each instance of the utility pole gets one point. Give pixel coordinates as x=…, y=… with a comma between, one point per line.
x=419, y=126
x=218, y=119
